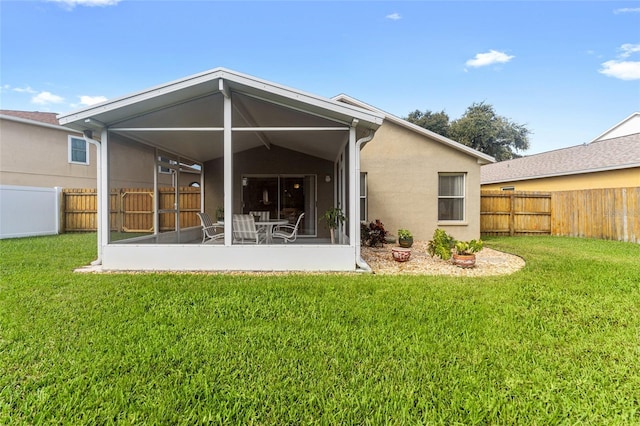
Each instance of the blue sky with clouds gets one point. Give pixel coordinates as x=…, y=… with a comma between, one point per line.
x=568, y=70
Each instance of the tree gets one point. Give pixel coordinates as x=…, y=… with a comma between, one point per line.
x=437, y=122
x=482, y=129
x=479, y=128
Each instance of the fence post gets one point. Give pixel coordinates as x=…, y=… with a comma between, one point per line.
x=62, y=227
x=512, y=214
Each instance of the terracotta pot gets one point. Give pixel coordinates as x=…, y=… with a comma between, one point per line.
x=464, y=260
x=401, y=254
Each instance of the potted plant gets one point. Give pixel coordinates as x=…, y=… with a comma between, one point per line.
x=333, y=218
x=220, y=214
x=405, y=238
x=465, y=253
x=441, y=244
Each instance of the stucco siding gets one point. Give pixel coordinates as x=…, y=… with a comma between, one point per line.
x=609, y=179
x=402, y=171
x=33, y=155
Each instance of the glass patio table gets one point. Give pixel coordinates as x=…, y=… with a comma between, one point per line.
x=269, y=226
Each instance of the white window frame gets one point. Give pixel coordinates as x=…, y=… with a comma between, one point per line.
x=364, y=212
x=70, y=150
x=463, y=197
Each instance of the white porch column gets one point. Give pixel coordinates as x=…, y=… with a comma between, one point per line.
x=352, y=180
x=104, y=227
x=228, y=165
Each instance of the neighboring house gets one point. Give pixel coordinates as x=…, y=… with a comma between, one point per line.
x=612, y=160
x=36, y=151
x=419, y=180
x=256, y=145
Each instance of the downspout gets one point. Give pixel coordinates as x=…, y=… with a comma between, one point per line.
x=88, y=137
x=360, y=263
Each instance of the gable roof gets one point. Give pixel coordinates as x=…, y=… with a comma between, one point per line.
x=628, y=126
x=482, y=157
x=610, y=154
x=42, y=117
x=217, y=80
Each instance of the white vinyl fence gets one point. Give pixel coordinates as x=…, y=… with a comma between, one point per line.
x=28, y=211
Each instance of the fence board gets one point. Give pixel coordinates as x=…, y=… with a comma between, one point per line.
x=131, y=209
x=609, y=213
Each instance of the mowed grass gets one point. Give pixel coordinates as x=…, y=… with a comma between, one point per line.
x=556, y=343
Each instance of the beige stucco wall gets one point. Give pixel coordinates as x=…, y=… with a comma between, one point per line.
x=132, y=165
x=608, y=179
x=263, y=161
x=402, y=171
x=34, y=155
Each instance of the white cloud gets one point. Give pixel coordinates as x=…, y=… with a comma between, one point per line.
x=624, y=70
x=27, y=89
x=44, y=98
x=70, y=4
x=489, y=58
x=628, y=49
x=394, y=16
x=91, y=100
x=627, y=10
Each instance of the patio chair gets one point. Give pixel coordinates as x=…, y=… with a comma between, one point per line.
x=244, y=229
x=288, y=233
x=264, y=215
x=210, y=231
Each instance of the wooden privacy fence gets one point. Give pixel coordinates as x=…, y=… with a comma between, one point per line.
x=608, y=213
x=130, y=209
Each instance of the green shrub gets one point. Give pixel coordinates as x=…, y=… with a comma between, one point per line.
x=441, y=244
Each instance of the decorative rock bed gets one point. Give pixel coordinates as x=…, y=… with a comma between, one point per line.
x=488, y=262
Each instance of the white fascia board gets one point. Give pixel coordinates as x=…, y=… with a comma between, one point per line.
x=603, y=134
x=74, y=119
x=36, y=123
x=560, y=174
x=123, y=101
x=414, y=127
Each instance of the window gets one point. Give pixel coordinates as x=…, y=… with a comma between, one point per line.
x=78, y=152
x=363, y=197
x=451, y=196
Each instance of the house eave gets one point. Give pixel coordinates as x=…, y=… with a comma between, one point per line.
x=482, y=157
x=190, y=87
x=33, y=122
x=560, y=174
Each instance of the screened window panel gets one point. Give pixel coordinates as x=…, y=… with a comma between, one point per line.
x=451, y=209
x=78, y=150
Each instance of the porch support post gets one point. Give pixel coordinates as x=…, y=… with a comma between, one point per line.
x=228, y=165
x=105, y=197
x=352, y=180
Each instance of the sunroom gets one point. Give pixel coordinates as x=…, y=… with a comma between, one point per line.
x=243, y=145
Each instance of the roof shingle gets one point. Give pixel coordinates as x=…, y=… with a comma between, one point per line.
x=617, y=153
x=42, y=117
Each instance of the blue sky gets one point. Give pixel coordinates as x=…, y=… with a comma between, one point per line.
x=568, y=70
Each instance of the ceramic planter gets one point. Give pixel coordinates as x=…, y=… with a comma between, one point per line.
x=401, y=254
x=405, y=242
x=464, y=260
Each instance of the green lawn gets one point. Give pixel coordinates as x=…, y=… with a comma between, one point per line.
x=556, y=343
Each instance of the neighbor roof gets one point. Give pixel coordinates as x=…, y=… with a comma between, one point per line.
x=43, y=117
x=610, y=154
x=482, y=157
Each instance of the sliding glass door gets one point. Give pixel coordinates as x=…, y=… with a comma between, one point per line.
x=284, y=197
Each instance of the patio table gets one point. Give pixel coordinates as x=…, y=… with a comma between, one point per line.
x=269, y=225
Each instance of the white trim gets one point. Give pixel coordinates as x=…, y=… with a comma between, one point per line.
x=601, y=135
x=414, y=127
x=560, y=174
x=70, y=139
x=241, y=83
x=462, y=197
x=34, y=122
